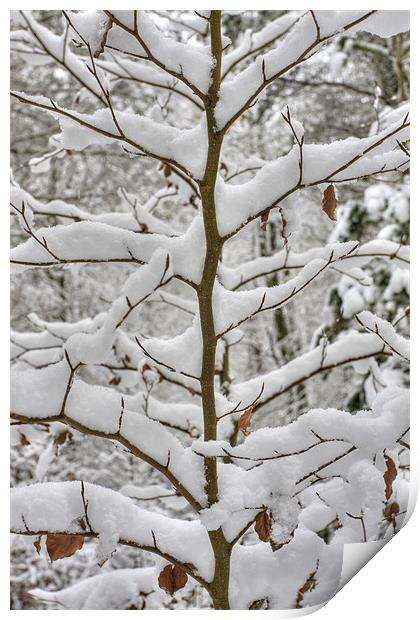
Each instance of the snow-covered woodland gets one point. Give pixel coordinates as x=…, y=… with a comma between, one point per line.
x=209, y=304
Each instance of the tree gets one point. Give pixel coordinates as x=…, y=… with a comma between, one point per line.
x=270, y=509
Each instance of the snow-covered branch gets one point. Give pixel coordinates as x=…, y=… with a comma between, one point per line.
x=60, y=508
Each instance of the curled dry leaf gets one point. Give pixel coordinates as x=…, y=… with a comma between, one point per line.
x=309, y=585
x=24, y=441
x=244, y=423
x=264, y=219
x=329, y=202
x=37, y=544
x=104, y=37
x=263, y=526
x=63, y=545
x=391, y=510
x=62, y=437
x=172, y=578
x=389, y=475
x=283, y=227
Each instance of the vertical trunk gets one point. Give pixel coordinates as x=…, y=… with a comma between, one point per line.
x=221, y=549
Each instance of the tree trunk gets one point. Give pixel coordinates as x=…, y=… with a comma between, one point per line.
x=221, y=548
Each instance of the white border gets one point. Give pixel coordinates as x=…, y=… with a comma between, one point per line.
x=387, y=586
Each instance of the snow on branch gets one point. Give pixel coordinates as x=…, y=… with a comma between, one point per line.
x=141, y=135
x=398, y=345
x=307, y=166
x=139, y=219
x=118, y=589
x=100, y=411
x=136, y=72
x=95, y=242
x=347, y=349
x=325, y=449
x=287, y=259
x=232, y=308
x=40, y=45
x=306, y=37
x=253, y=43
x=189, y=64
x=61, y=508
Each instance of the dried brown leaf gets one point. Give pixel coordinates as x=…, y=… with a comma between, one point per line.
x=172, y=578
x=264, y=219
x=102, y=42
x=309, y=585
x=263, y=526
x=63, y=545
x=62, y=437
x=391, y=510
x=329, y=202
x=37, y=544
x=389, y=475
x=24, y=441
x=167, y=171
x=244, y=423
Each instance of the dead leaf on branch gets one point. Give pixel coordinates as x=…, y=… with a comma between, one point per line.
x=102, y=43
x=24, y=441
x=389, y=475
x=37, y=544
x=63, y=545
x=391, y=511
x=244, y=423
x=263, y=525
x=308, y=586
x=264, y=219
x=62, y=437
x=329, y=202
x=172, y=578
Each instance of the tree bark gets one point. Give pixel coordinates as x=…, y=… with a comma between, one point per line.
x=221, y=548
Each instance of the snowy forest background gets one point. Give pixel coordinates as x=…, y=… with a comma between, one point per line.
x=356, y=85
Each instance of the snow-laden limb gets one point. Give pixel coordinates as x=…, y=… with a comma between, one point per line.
x=100, y=411
x=306, y=166
x=260, y=575
x=65, y=507
x=369, y=431
x=287, y=259
x=118, y=589
x=190, y=64
x=36, y=44
x=306, y=37
x=276, y=465
x=254, y=42
x=347, y=349
x=95, y=242
x=139, y=219
x=232, y=308
x=150, y=75
x=183, y=148
x=182, y=354
x=396, y=344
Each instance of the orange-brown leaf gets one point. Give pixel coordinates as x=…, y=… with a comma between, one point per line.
x=167, y=171
x=389, y=475
x=62, y=437
x=37, y=544
x=244, y=423
x=24, y=441
x=264, y=219
x=102, y=42
x=172, y=578
x=329, y=202
x=63, y=545
x=263, y=526
x=391, y=510
x=309, y=585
